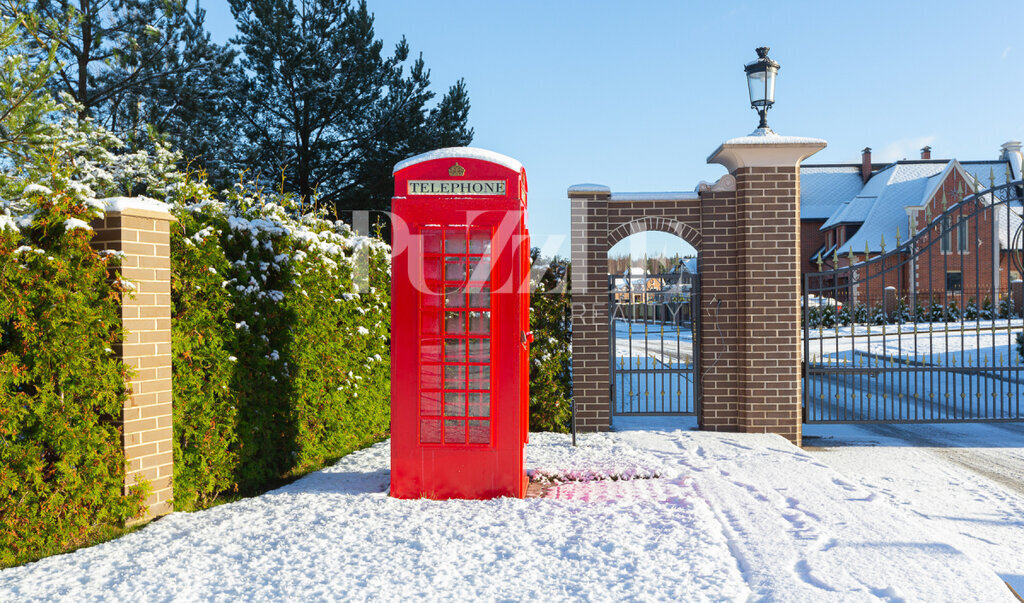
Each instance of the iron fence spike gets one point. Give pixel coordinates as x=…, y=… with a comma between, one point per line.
x=991, y=177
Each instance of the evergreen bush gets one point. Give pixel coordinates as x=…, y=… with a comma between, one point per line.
x=62, y=388
x=550, y=353
x=280, y=364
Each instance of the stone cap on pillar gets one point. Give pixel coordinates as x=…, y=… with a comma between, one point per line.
x=143, y=207
x=589, y=190
x=764, y=148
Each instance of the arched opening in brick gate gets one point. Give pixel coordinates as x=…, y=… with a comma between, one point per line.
x=654, y=314
x=746, y=227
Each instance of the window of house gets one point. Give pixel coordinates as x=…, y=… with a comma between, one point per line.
x=961, y=235
x=954, y=281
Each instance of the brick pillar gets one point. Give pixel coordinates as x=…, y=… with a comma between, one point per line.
x=720, y=338
x=889, y=303
x=759, y=389
x=141, y=230
x=1017, y=295
x=590, y=321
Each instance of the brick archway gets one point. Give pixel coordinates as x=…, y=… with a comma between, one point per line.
x=668, y=225
x=746, y=229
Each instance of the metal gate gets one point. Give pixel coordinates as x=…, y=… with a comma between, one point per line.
x=925, y=332
x=654, y=342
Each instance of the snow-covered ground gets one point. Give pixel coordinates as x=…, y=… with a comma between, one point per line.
x=675, y=515
x=964, y=481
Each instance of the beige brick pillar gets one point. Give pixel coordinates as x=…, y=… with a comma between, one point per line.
x=590, y=321
x=761, y=376
x=141, y=230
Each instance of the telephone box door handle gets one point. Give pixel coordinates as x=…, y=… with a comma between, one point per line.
x=527, y=336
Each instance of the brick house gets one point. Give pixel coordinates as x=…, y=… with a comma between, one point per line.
x=859, y=208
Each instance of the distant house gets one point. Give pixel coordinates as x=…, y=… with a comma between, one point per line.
x=632, y=286
x=853, y=209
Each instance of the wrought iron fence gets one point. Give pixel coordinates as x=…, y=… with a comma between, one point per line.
x=926, y=331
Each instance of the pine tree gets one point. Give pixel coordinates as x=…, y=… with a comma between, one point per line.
x=328, y=114
x=134, y=63
x=187, y=94
x=24, y=72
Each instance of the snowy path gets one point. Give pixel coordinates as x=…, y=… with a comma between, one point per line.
x=963, y=481
x=705, y=517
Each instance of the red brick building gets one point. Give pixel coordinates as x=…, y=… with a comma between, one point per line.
x=863, y=208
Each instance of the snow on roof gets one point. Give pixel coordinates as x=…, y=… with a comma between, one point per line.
x=881, y=207
x=824, y=189
x=672, y=196
x=1013, y=213
x=987, y=171
x=461, y=153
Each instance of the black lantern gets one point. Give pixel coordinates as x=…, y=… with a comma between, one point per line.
x=761, y=83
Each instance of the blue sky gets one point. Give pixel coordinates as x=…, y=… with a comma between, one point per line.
x=636, y=95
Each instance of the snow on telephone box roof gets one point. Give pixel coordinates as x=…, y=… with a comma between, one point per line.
x=461, y=153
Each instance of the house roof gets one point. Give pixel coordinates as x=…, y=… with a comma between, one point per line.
x=824, y=188
x=879, y=206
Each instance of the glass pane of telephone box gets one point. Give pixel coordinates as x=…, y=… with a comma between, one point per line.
x=455, y=270
x=479, y=350
x=455, y=431
x=431, y=240
x=454, y=376
x=455, y=242
x=480, y=242
x=479, y=432
x=430, y=431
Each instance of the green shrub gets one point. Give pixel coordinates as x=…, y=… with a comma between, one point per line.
x=62, y=467
x=280, y=366
x=550, y=353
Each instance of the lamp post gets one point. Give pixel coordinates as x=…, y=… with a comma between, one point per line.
x=761, y=84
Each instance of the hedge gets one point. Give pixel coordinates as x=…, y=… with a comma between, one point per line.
x=280, y=365
x=62, y=467
x=550, y=353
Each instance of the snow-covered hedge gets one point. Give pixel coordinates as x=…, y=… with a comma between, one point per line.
x=281, y=363
x=62, y=388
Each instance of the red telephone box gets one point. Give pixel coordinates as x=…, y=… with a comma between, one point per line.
x=459, y=326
